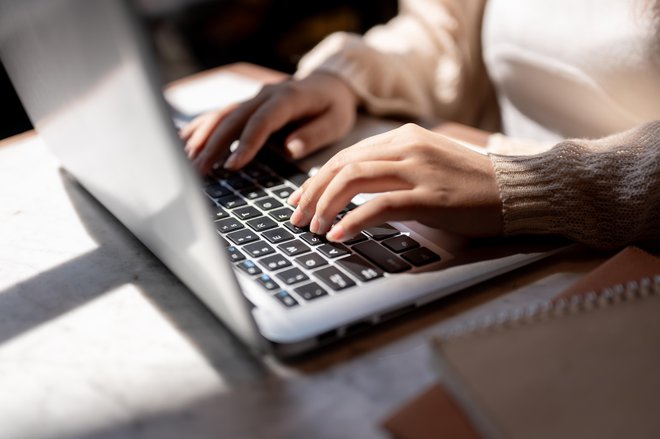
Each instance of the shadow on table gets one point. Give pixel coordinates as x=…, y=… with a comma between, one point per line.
x=74, y=283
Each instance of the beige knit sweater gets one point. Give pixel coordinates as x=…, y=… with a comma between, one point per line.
x=444, y=59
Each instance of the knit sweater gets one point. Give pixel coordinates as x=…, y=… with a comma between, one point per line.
x=446, y=58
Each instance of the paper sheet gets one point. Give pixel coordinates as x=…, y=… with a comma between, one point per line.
x=211, y=92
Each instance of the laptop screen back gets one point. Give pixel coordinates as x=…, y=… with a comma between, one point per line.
x=85, y=77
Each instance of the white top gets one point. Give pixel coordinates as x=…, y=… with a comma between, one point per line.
x=567, y=68
x=561, y=68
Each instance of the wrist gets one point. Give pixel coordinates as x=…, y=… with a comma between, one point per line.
x=339, y=85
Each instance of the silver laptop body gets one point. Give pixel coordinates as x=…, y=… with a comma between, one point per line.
x=87, y=77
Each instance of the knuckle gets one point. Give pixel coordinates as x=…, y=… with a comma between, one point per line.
x=387, y=204
x=409, y=129
x=268, y=89
x=306, y=199
x=337, y=162
x=289, y=90
x=323, y=207
x=353, y=170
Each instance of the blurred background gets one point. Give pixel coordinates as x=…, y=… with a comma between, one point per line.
x=194, y=35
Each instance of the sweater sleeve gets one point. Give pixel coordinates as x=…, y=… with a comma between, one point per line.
x=604, y=193
x=425, y=62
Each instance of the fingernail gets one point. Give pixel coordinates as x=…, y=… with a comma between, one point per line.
x=314, y=225
x=336, y=234
x=294, y=198
x=296, y=148
x=231, y=162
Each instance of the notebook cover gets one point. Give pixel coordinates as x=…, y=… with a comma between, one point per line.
x=631, y=263
x=585, y=368
x=435, y=414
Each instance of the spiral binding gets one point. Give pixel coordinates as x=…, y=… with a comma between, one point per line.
x=634, y=290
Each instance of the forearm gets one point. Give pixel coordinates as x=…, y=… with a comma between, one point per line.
x=604, y=193
x=425, y=62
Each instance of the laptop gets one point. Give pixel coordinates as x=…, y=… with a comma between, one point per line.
x=87, y=77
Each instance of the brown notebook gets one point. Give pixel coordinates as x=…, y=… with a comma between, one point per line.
x=557, y=348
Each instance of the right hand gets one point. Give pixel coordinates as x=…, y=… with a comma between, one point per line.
x=324, y=103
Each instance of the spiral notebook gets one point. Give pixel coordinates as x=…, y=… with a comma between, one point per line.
x=585, y=365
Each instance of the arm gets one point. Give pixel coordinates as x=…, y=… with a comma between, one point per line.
x=424, y=62
x=604, y=193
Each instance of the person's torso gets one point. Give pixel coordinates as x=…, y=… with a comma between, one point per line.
x=573, y=68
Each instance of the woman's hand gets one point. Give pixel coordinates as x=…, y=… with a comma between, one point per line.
x=323, y=102
x=426, y=177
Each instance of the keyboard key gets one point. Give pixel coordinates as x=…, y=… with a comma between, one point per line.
x=267, y=282
x=238, y=182
x=277, y=235
x=420, y=256
x=381, y=232
x=294, y=229
x=234, y=254
x=257, y=171
x=334, y=278
x=360, y=268
x=249, y=267
x=262, y=223
x=268, y=203
x=274, y=262
x=311, y=260
x=282, y=214
x=252, y=193
x=333, y=250
x=270, y=181
x=298, y=179
x=310, y=291
x=231, y=201
x=258, y=249
x=400, y=243
x=286, y=299
x=292, y=276
x=216, y=190
x=223, y=174
x=219, y=213
x=208, y=181
x=350, y=206
x=382, y=257
x=312, y=238
x=228, y=225
x=282, y=192
x=357, y=238
x=246, y=213
x=244, y=236
x=292, y=248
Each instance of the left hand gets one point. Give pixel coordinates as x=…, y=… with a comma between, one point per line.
x=425, y=176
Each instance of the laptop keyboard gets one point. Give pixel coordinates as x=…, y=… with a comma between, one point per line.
x=295, y=266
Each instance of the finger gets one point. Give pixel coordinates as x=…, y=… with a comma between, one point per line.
x=270, y=117
x=362, y=177
x=201, y=134
x=311, y=190
x=399, y=205
x=226, y=132
x=314, y=134
x=189, y=128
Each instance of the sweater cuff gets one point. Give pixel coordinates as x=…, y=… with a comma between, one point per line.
x=529, y=189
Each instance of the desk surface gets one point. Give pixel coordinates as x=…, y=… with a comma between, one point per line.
x=98, y=339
